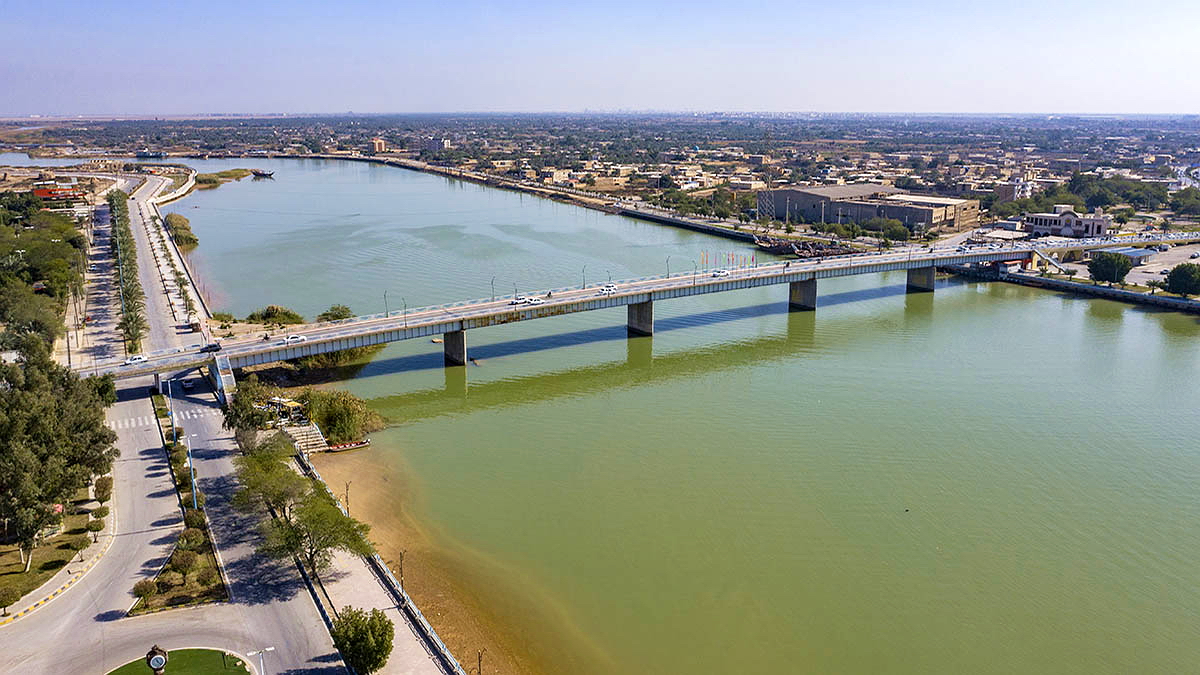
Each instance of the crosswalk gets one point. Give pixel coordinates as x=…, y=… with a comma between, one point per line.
x=143, y=421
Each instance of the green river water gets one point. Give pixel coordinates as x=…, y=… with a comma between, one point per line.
x=986, y=479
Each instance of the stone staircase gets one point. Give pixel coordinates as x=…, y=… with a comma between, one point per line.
x=307, y=438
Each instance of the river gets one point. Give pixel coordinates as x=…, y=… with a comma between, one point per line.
x=986, y=479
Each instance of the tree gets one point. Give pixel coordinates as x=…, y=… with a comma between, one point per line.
x=8, y=597
x=100, y=512
x=242, y=413
x=1110, y=267
x=363, y=638
x=341, y=415
x=1155, y=284
x=335, y=313
x=1184, y=279
x=105, y=387
x=190, y=539
x=318, y=528
x=103, y=488
x=78, y=544
x=267, y=481
x=182, y=561
x=94, y=526
x=52, y=442
x=145, y=589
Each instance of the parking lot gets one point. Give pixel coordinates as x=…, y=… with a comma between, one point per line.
x=1152, y=268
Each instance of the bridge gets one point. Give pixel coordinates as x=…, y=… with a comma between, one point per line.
x=451, y=321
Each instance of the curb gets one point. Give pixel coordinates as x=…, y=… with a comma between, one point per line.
x=70, y=582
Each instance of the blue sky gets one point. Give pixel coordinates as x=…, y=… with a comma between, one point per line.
x=103, y=57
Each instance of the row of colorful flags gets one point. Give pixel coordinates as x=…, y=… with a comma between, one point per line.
x=730, y=259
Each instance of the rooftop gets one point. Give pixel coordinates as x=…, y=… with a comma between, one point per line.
x=927, y=199
x=851, y=191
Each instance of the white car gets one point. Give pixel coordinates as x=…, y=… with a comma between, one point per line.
x=609, y=286
x=136, y=358
x=519, y=300
x=720, y=273
x=293, y=339
x=606, y=290
x=534, y=301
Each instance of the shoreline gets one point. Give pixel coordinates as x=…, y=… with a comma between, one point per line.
x=471, y=602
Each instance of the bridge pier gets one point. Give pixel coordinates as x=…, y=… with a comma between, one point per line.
x=920, y=280
x=802, y=295
x=454, y=345
x=641, y=318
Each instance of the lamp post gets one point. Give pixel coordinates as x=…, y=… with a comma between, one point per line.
x=695, y=270
x=493, y=289
x=668, y=267
x=609, y=275
x=386, y=313
x=405, y=311
x=259, y=653
x=584, y=275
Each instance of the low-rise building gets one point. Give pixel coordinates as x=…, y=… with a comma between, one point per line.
x=1065, y=222
x=860, y=202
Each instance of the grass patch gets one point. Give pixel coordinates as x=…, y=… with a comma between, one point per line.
x=190, y=662
x=50, y=557
x=207, y=181
x=160, y=405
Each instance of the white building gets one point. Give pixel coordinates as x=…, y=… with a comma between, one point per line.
x=1065, y=222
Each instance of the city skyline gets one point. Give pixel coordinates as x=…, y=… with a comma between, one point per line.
x=300, y=58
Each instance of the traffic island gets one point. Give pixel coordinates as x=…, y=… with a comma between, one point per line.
x=191, y=662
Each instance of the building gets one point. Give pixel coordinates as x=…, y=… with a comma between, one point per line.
x=860, y=202
x=1011, y=191
x=1065, y=222
x=1137, y=256
x=435, y=144
x=378, y=145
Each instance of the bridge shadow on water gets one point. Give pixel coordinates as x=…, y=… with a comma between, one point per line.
x=641, y=365
x=434, y=360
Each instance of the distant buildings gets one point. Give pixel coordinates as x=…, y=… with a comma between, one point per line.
x=435, y=144
x=1065, y=222
x=378, y=145
x=863, y=201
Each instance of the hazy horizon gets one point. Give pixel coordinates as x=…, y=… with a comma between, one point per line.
x=303, y=58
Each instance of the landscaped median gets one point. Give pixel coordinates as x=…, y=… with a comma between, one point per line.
x=191, y=662
x=192, y=574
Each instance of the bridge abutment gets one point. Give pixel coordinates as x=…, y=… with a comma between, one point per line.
x=454, y=345
x=641, y=318
x=920, y=280
x=802, y=295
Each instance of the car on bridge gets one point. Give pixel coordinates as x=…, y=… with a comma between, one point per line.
x=293, y=339
x=720, y=273
x=210, y=347
x=608, y=290
x=136, y=358
x=534, y=301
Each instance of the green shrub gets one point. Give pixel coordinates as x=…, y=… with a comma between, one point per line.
x=193, y=519
x=207, y=576
x=191, y=539
x=182, y=561
x=145, y=589
x=169, y=580
x=274, y=314
x=100, y=512
x=223, y=317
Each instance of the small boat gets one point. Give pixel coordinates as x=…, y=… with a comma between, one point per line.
x=775, y=246
x=259, y=173
x=350, y=446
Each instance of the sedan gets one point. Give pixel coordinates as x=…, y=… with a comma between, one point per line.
x=136, y=358
x=293, y=339
x=720, y=273
x=519, y=300
x=211, y=347
x=535, y=301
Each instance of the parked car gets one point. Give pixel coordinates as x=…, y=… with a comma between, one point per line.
x=211, y=347
x=136, y=358
x=1195, y=255
x=1164, y=271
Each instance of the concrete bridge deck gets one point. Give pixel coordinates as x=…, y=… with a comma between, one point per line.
x=638, y=295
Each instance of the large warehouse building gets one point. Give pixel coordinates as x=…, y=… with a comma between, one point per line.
x=864, y=201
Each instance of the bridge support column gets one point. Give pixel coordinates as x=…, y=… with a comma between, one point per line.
x=802, y=296
x=455, y=347
x=920, y=280
x=641, y=318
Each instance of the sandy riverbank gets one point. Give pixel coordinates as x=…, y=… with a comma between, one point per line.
x=470, y=608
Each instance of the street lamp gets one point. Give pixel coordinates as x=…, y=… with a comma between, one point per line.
x=668, y=267
x=259, y=653
x=405, y=311
x=584, y=275
x=695, y=270
x=493, y=289
x=386, y=313
x=609, y=275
